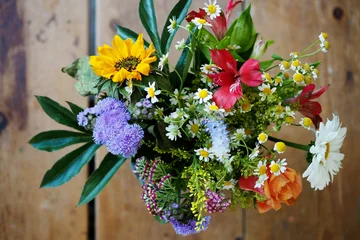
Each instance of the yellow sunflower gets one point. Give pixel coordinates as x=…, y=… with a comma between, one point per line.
x=124, y=60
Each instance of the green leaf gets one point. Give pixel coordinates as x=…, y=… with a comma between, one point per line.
x=182, y=66
x=266, y=64
x=100, y=177
x=224, y=43
x=237, y=56
x=315, y=64
x=243, y=33
x=148, y=19
x=163, y=83
x=276, y=57
x=69, y=166
x=57, y=139
x=59, y=113
x=126, y=33
x=82, y=71
x=159, y=220
x=179, y=12
x=75, y=108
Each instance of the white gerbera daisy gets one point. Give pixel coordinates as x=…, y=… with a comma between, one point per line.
x=199, y=22
x=260, y=171
x=152, y=92
x=266, y=91
x=278, y=167
x=327, y=158
x=229, y=185
x=163, y=61
x=180, y=44
x=173, y=132
x=204, y=154
x=203, y=95
x=212, y=9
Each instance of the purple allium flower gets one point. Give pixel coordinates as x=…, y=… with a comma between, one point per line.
x=188, y=228
x=215, y=202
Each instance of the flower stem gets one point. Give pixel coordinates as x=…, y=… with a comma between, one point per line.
x=291, y=144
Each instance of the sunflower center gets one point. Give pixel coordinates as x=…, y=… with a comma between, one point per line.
x=204, y=153
x=130, y=63
x=262, y=170
x=327, y=151
x=195, y=128
x=212, y=8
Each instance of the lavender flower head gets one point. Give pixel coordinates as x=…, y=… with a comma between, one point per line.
x=189, y=228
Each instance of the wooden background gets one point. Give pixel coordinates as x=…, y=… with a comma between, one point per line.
x=38, y=37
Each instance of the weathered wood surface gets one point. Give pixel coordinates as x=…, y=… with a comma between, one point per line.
x=37, y=38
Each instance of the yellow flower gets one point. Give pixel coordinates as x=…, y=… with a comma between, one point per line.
x=124, y=60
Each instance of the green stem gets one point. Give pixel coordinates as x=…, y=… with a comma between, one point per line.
x=309, y=47
x=291, y=144
x=310, y=54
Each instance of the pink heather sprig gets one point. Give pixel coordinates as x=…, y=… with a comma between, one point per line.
x=215, y=202
x=149, y=198
x=146, y=171
x=163, y=179
x=153, y=168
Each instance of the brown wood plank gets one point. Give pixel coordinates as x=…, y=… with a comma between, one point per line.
x=334, y=212
x=38, y=37
x=119, y=209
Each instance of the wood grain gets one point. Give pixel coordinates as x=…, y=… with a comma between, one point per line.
x=120, y=211
x=334, y=212
x=38, y=37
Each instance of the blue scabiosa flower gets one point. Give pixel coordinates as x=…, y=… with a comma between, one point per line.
x=188, y=228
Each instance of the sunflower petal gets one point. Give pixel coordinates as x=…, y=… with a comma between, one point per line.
x=120, y=46
x=143, y=68
x=138, y=48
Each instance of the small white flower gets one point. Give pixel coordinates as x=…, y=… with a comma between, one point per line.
x=326, y=161
x=180, y=45
x=278, y=167
x=194, y=128
x=199, y=22
x=260, y=171
x=203, y=95
x=266, y=91
x=212, y=107
x=152, y=92
x=325, y=46
x=299, y=78
x=129, y=87
x=229, y=185
x=280, y=147
x=294, y=55
x=289, y=112
x=262, y=138
x=255, y=152
x=323, y=37
x=315, y=73
x=173, y=132
x=239, y=135
x=212, y=9
x=208, y=82
x=163, y=61
x=209, y=68
x=204, y=154
x=177, y=96
x=295, y=65
x=173, y=24
x=278, y=81
x=284, y=66
x=306, y=123
x=266, y=77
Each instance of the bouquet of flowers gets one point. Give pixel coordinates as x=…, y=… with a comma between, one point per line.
x=197, y=133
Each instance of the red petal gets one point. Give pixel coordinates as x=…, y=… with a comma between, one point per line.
x=224, y=59
x=218, y=25
x=249, y=184
x=250, y=73
x=312, y=110
x=222, y=78
x=225, y=99
x=193, y=14
x=317, y=93
x=306, y=93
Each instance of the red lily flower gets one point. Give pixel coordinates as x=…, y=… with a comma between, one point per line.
x=230, y=7
x=308, y=108
x=230, y=79
x=248, y=184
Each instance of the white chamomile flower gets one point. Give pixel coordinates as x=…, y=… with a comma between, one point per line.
x=315, y=73
x=323, y=37
x=266, y=91
x=203, y=95
x=278, y=81
x=203, y=154
x=255, y=152
x=163, y=61
x=152, y=93
x=295, y=65
x=284, y=66
x=159, y=112
x=129, y=87
x=193, y=127
x=205, y=79
x=173, y=132
x=229, y=185
x=212, y=9
x=278, y=167
x=173, y=24
x=306, y=123
x=299, y=78
x=289, y=112
x=199, y=22
x=239, y=135
x=209, y=68
x=280, y=147
x=294, y=55
x=326, y=161
x=266, y=77
x=180, y=45
x=262, y=138
x=177, y=96
x=325, y=46
x=260, y=171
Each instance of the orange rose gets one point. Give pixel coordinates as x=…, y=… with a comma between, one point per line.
x=284, y=188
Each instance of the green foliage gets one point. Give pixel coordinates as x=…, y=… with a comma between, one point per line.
x=100, y=177
x=82, y=72
x=182, y=67
x=126, y=33
x=244, y=198
x=309, y=155
x=266, y=64
x=75, y=108
x=69, y=166
x=277, y=57
x=57, y=139
x=148, y=19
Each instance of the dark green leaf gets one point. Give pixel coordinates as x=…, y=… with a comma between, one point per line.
x=98, y=179
x=179, y=12
x=69, y=166
x=59, y=113
x=315, y=64
x=163, y=83
x=159, y=220
x=75, y=108
x=237, y=56
x=266, y=64
x=57, y=139
x=148, y=19
x=276, y=57
x=81, y=71
x=224, y=43
x=126, y=33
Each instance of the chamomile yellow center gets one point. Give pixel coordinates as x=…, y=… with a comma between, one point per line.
x=306, y=67
x=324, y=35
x=204, y=153
x=201, y=21
x=195, y=128
x=246, y=106
x=286, y=75
x=151, y=92
x=280, y=147
x=262, y=170
x=307, y=122
x=296, y=63
x=212, y=9
x=316, y=71
x=262, y=137
x=267, y=91
x=289, y=120
x=298, y=77
x=227, y=184
x=275, y=168
x=308, y=79
x=213, y=108
x=267, y=76
x=327, y=45
x=203, y=93
x=286, y=64
x=279, y=109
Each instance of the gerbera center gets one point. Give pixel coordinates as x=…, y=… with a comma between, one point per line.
x=262, y=170
x=151, y=92
x=203, y=93
x=195, y=128
x=275, y=168
x=130, y=63
x=212, y=9
x=204, y=153
x=327, y=151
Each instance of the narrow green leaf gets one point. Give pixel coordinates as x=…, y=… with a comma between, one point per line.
x=75, y=108
x=69, y=166
x=148, y=19
x=266, y=64
x=98, y=179
x=159, y=220
x=276, y=57
x=126, y=33
x=57, y=139
x=179, y=12
x=81, y=70
x=315, y=64
x=59, y=113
